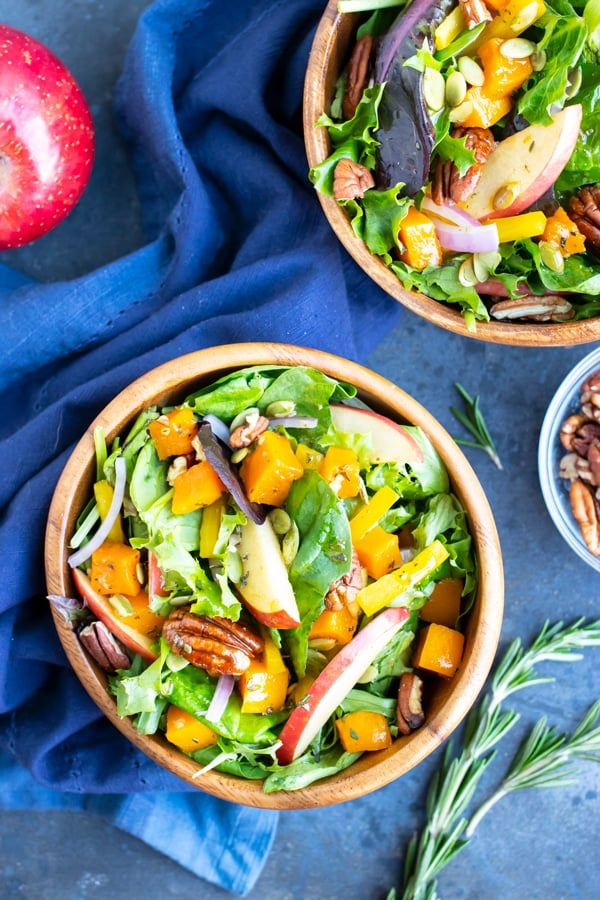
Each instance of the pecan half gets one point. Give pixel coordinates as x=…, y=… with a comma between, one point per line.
x=357, y=75
x=246, y=434
x=104, y=647
x=409, y=708
x=447, y=184
x=569, y=429
x=583, y=506
x=351, y=180
x=344, y=590
x=584, y=210
x=216, y=644
x=533, y=308
x=474, y=12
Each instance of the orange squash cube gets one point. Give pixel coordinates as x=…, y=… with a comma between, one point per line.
x=187, y=732
x=485, y=111
x=562, y=231
x=173, y=432
x=363, y=730
x=443, y=606
x=270, y=469
x=439, y=650
x=114, y=569
x=421, y=245
x=337, y=625
x=137, y=614
x=503, y=75
x=264, y=684
x=307, y=457
x=378, y=551
x=195, y=488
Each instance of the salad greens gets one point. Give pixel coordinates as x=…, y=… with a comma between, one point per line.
x=565, y=45
x=298, y=403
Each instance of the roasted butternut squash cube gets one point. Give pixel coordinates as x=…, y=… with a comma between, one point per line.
x=195, y=488
x=443, y=606
x=439, y=650
x=363, y=730
x=173, y=432
x=187, y=732
x=269, y=469
x=114, y=569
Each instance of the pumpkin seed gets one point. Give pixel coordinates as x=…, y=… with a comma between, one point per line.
x=466, y=273
x=538, y=60
x=461, y=113
x=245, y=416
x=505, y=195
x=434, y=89
x=484, y=263
x=471, y=71
x=524, y=18
x=280, y=521
x=551, y=256
x=238, y=455
x=280, y=408
x=290, y=544
x=456, y=89
x=517, y=48
x=574, y=78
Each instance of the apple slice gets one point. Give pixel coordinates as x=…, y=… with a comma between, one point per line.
x=390, y=441
x=526, y=164
x=135, y=640
x=265, y=587
x=337, y=678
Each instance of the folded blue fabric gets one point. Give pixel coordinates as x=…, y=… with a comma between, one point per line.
x=236, y=249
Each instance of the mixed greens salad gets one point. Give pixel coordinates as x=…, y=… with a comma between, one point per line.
x=465, y=148
x=255, y=566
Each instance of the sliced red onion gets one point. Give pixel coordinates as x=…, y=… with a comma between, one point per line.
x=218, y=427
x=294, y=421
x=480, y=239
x=453, y=214
x=84, y=553
x=220, y=697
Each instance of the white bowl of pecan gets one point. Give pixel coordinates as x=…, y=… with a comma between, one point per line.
x=569, y=459
x=444, y=176
x=251, y=522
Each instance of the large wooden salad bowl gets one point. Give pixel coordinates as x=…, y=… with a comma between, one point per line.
x=451, y=700
x=330, y=50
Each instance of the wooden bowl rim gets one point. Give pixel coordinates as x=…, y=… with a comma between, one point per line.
x=315, y=102
x=179, y=377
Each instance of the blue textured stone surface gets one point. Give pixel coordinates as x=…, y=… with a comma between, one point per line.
x=533, y=846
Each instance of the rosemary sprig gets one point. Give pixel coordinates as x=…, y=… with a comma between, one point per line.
x=475, y=424
x=541, y=761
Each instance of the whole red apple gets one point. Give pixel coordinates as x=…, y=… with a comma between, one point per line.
x=46, y=139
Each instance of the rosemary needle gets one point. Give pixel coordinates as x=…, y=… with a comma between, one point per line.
x=544, y=759
x=473, y=421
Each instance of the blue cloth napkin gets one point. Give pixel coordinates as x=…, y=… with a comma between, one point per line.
x=236, y=248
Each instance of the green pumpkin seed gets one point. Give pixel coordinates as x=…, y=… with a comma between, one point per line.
x=471, y=71
x=517, y=48
x=551, y=256
x=434, y=89
x=456, y=89
x=466, y=273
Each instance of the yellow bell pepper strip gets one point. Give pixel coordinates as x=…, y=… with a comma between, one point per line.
x=378, y=551
x=564, y=233
x=449, y=28
x=516, y=228
x=263, y=686
x=269, y=469
x=209, y=527
x=103, y=492
x=186, y=732
x=439, y=650
x=363, y=730
x=372, y=511
x=385, y=590
x=114, y=569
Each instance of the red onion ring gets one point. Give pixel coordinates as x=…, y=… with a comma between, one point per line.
x=84, y=553
x=220, y=697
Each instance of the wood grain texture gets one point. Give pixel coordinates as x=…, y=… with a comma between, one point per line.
x=450, y=701
x=330, y=50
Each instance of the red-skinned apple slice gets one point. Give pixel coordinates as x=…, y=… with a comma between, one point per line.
x=335, y=681
x=101, y=607
x=526, y=164
x=265, y=587
x=390, y=441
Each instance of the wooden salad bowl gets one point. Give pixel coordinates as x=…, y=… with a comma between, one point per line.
x=447, y=705
x=330, y=50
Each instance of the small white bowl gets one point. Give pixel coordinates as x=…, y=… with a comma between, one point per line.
x=555, y=489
